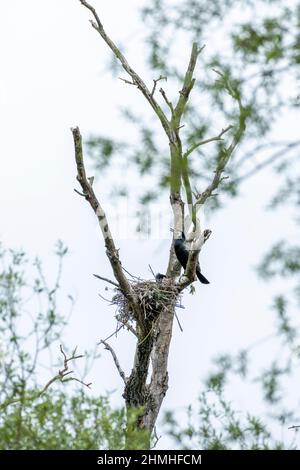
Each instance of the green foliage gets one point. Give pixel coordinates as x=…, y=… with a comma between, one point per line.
x=283, y=260
x=30, y=326
x=270, y=380
x=144, y=160
x=265, y=40
x=285, y=327
x=102, y=149
x=135, y=438
x=25, y=325
x=288, y=193
x=37, y=415
x=60, y=421
x=215, y=425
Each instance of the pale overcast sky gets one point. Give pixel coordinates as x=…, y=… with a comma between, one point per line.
x=52, y=78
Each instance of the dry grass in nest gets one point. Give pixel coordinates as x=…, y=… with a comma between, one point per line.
x=153, y=297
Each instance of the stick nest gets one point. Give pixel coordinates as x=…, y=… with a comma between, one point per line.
x=154, y=298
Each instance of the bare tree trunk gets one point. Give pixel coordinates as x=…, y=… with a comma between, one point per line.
x=159, y=379
x=143, y=400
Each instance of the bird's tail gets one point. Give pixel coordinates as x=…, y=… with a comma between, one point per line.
x=201, y=277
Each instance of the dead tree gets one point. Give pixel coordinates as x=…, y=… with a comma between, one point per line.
x=147, y=308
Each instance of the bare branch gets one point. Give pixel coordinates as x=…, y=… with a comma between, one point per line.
x=155, y=83
x=215, y=181
x=124, y=324
x=111, y=251
x=131, y=275
x=106, y=280
x=136, y=79
x=152, y=272
x=114, y=356
x=128, y=82
x=163, y=93
x=109, y=301
x=157, y=438
x=178, y=322
x=188, y=84
x=206, y=234
x=63, y=373
x=88, y=385
x=188, y=189
x=179, y=168
x=185, y=171
x=225, y=153
x=112, y=334
x=79, y=193
x=130, y=328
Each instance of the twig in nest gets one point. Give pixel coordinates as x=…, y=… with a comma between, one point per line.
x=131, y=275
x=106, y=280
x=152, y=272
